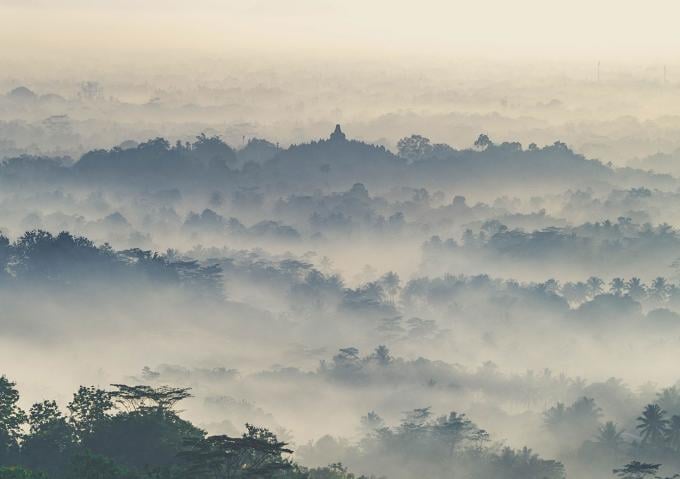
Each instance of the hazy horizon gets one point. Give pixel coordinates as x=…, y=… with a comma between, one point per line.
x=312, y=239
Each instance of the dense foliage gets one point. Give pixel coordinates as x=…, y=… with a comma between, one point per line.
x=136, y=432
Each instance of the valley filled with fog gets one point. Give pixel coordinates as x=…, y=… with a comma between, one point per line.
x=309, y=239
x=505, y=250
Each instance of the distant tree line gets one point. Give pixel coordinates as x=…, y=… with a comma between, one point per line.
x=64, y=260
x=654, y=438
x=331, y=162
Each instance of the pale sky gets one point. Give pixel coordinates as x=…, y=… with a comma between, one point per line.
x=585, y=29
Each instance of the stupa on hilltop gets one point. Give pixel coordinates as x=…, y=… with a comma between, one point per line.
x=338, y=135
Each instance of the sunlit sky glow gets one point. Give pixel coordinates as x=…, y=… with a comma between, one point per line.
x=494, y=28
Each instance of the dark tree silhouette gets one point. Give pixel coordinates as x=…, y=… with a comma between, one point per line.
x=258, y=453
x=637, y=470
x=12, y=418
x=652, y=424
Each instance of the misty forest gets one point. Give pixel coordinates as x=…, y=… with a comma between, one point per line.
x=265, y=254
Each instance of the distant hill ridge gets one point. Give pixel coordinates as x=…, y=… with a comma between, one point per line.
x=337, y=162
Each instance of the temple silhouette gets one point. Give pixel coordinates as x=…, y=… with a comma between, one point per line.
x=338, y=135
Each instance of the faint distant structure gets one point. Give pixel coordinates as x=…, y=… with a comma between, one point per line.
x=664, y=74
x=598, y=71
x=90, y=90
x=338, y=135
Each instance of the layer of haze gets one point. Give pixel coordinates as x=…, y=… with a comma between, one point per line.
x=507, y=254
x=496, y=28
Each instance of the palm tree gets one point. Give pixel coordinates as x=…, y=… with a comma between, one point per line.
x=390, y=282
x=635, y=288
x=594, y=286
x=382, y=355
x=554, y=416
x=652, y=424
x=673, y=432
x=610, y=437
x=617, y=286
x=669, y=400
x=659, y=289
x=585, y=410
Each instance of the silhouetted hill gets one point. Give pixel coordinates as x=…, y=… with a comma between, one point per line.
x=337, y=163
x=21, y=93
x=155, y=162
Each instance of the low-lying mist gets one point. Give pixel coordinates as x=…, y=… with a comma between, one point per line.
x=466, y=277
